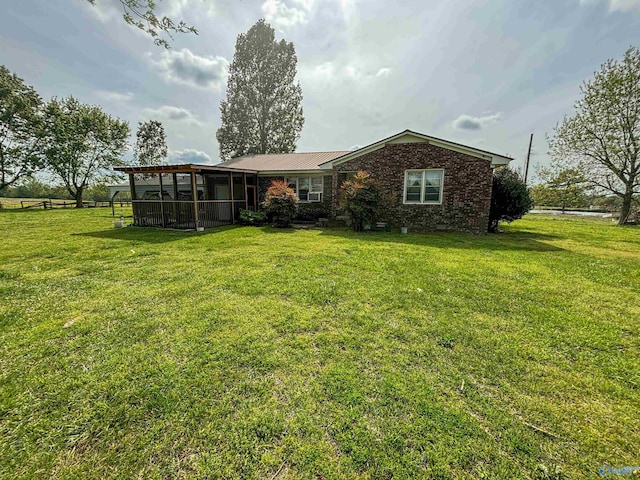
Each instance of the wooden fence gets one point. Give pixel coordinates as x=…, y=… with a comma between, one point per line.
x=53, y=203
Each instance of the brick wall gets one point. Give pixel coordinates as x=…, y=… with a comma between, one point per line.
x=466, y=196
x=265, y=182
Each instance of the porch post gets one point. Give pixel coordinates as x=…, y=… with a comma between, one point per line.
x=246, y=196
x=194, y=193
x=175, y=187
x=132, y=186
x=164, y=223
x=233, y=203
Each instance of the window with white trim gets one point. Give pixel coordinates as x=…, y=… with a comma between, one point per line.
x=308, y=189
x=423, y=186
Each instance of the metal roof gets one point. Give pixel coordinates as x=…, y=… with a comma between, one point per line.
x=284, y=162
x=181, y=168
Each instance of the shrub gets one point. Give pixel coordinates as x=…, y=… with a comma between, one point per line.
x=510, y=198
x=280, y=203
x=361, y=200
x=249, y=217
x=311, y=211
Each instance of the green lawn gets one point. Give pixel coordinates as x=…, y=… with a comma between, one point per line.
x=260, y=353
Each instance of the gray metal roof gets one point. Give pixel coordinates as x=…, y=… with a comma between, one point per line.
x=284, y=161
x=181, y=168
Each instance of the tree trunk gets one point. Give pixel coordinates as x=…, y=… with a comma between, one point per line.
x=625, y=212
x=79, y=203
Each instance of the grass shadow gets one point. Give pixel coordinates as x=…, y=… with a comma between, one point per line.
x=525, y=241
x=152, y=235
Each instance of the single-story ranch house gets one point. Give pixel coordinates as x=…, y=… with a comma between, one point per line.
x=431, y=184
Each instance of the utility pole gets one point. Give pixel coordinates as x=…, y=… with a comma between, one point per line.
x=526, y=165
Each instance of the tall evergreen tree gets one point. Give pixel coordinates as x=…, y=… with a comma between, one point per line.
x=151, y=143
x=263, y=109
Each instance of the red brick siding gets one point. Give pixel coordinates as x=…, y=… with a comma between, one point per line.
x=265, y=182
x=466, y=196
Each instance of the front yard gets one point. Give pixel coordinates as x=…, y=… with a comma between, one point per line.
x=260, y=353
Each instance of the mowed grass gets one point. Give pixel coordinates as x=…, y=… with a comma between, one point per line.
x=261, y=353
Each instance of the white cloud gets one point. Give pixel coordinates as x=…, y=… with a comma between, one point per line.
x=188, y=155
x=617, y=5
x=467, y=122
x=282, y=15
x=325, y=69
x=171, y=113
x=183, y=66
x=117, y=97
x=352, y=71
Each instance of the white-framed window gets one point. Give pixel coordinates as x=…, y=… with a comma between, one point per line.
x=308, y=189
x=423, y=186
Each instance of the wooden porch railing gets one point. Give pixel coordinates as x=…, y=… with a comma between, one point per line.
x=181, y=214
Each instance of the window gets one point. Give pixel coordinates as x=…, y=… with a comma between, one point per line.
x=423, y=186
x=308, y=189
x=344, y=176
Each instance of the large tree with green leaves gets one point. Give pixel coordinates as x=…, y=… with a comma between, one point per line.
x=151, y=143
x=83, y=144
x=563, y=186
x=21, y=134
x=603, y=136
x=263, y=109
x=143, y=14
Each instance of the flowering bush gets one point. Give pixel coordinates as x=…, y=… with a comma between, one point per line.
x=361, y=200
x=280, y=203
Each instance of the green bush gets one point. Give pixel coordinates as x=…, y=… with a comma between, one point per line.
x=311, y=211
x=280, y=203
x=510, y=198
x=361, y=200
x=249, y=217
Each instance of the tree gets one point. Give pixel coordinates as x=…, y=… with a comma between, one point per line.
x=263, y=109
x=21, y=138
x=280, y=203
x=510, y=198
x=603, y=137
x=564, y=186
x=84, y=143
x=151, y=143
x=361, y=199
x=142, y=14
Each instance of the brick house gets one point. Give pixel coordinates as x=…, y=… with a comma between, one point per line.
x=430, y=184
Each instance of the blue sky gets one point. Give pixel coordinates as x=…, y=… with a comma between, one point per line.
x=484, y=73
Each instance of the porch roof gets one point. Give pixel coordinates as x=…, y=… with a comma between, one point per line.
x=180, y=168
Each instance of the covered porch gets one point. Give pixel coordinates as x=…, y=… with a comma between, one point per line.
x=189, y=197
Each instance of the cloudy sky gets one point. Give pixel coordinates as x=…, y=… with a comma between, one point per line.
x=484, y=73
